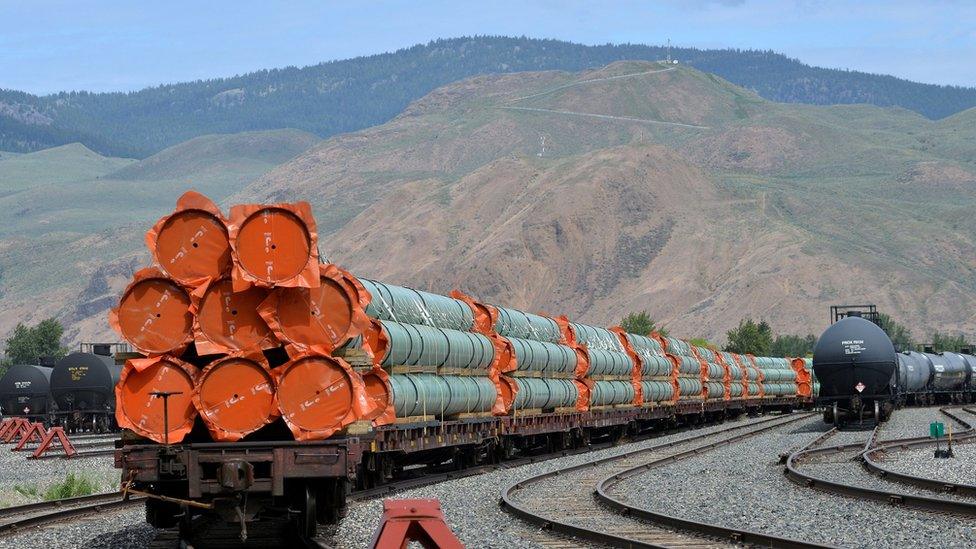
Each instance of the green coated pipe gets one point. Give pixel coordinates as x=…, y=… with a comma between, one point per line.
x=409, y=306
x=541, y=356
x=523, y=325
x=545, y=393
x=606, y=393
x=689, y=386
x=430, y=394
x=418, y=345
x=657, y=391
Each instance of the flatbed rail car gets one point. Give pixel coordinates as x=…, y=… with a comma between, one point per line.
x=310, y=480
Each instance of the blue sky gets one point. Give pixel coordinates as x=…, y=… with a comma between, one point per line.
x=46, y=46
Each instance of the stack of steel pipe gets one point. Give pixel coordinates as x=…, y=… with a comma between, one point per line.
x=714, y=375
x=735, y=374
x=692, y=370
x=197, y=317
x=239, y=327
x=613, y=374
x=429, y=357
x=804, y=377
x=658, y=374
x=779, y=377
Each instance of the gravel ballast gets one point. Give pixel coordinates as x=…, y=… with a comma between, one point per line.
x=25, y=480
x=125, y=529
x=743, y=486
x=471, y=504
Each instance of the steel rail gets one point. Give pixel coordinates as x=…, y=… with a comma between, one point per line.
x=566, y=528
x=734, y=535
x=913, y=501
x=81, y=506
x=876, y=468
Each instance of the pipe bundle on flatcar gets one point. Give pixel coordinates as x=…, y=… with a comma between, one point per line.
x=300, y=377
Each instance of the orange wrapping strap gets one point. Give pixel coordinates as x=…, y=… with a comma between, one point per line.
x=675, y=372
x=211, y=416
x=505, y=360
x=375, y=342
x=383, y=412
x=635, y=374
x=566, y=330
x=804, y=387
x=760, y=376
x=662, y=341
x=138, y=365
x=703, y=365
x=206, y=344
x=569, y=340
x=115, y=322
x=360, y=404
x=356, y=287
x=357, y=297
x=726, y=377
x=745, y=374
x=307, y=276
x=585, y=388
x=485, y=316
x=189, y=201
x=507, y=390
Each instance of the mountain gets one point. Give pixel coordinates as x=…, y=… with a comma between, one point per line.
x=644, y=186
x=349, y=95
x=74, y=222
x=595, y=193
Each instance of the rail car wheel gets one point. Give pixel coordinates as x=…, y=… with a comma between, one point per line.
x=838, y=422
x=330, y=501
x=305, y=505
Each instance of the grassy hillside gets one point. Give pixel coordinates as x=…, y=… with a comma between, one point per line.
x=74, y=229
x=636, y=187
x=594, y=193
x=349, y=95
x=64, y=164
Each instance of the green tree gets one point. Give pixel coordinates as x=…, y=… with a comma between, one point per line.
x=900, y=336
x=750, y=337
x=948, y=342
x=28, y=344
x=642, y=324
x=701, y=342
x=792, y=345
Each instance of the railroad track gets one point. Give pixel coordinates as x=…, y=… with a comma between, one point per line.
x=168, y=538
x=816, y=449
x=609, y=521
x=103, y=451
x=873, y=459
x=21, y=517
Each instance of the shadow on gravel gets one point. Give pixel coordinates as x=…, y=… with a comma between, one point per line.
x=817, y=426
x=128, y=537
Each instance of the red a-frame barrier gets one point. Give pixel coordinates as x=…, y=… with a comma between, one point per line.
x=55, y=433
x=419, y=520
x=34, y=433
x=15, y=428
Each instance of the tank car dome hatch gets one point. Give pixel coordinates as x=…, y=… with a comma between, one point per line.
x=25, y=386
x=84, y=381
x=854, y=356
